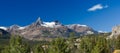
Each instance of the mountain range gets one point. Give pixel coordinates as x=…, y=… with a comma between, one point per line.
x=40, y=30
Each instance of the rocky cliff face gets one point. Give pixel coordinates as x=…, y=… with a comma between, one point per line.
x=41, y=30
x=115, y=31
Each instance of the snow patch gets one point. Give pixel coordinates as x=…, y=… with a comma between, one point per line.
x=81, y=25
x=4, y=28
x=102, y=32
x=50, y=24
x=21, y=28
x=90, y=32
x=77, y=25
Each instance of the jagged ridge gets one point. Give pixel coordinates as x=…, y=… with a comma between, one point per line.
x=39, y=30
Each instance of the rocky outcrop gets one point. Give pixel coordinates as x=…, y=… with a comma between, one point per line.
x=38, y=23
x=115, y=31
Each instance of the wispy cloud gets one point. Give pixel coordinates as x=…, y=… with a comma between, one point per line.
x=97, y=7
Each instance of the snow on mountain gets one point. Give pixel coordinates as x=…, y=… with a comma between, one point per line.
x=40, y=28
x=17, y=27
x=22, y=28
x=14, y=27
x=90, y=32
x=4, y=28
x=102, y=32
x=77, y=25
x=54, y=24
x=50, y=24
x=72, y=25
x=82, y=25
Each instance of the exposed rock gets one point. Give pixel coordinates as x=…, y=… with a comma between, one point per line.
x=115, y=31
x=38, y=22
x=83, y=29
x=4, y=34
x=13, y=27
x=57, y=22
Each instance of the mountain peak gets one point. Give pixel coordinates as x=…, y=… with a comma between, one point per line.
x=14, y=27
x=39, y=21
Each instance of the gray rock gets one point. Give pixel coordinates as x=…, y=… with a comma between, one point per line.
x=115, y=31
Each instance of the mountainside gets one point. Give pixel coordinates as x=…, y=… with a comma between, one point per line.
x=4, y=34
x=82, y=29
x=41, y=30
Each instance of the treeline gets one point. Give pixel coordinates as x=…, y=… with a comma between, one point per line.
x=83, y=44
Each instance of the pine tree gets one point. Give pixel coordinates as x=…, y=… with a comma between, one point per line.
x=102, y=45
x=71, y=42
x=16, y=46
x=58, y=46
x=86, y=44
x=38, y=49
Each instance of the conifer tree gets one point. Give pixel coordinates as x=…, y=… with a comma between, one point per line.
x=38, y=49
x=58, y=46
x=17, y=46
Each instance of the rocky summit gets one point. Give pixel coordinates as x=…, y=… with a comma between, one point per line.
x=40, y=30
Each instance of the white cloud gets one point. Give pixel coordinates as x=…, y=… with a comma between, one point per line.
x=97, y=7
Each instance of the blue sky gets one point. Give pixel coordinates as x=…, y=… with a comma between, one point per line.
x=98, y=14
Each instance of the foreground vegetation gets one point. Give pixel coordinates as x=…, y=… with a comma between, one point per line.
x=83, y=44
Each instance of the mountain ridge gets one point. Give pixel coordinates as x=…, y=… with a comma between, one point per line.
x=39, y=29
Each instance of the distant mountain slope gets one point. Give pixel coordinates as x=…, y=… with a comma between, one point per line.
x=40, y=30
x=4, y=34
